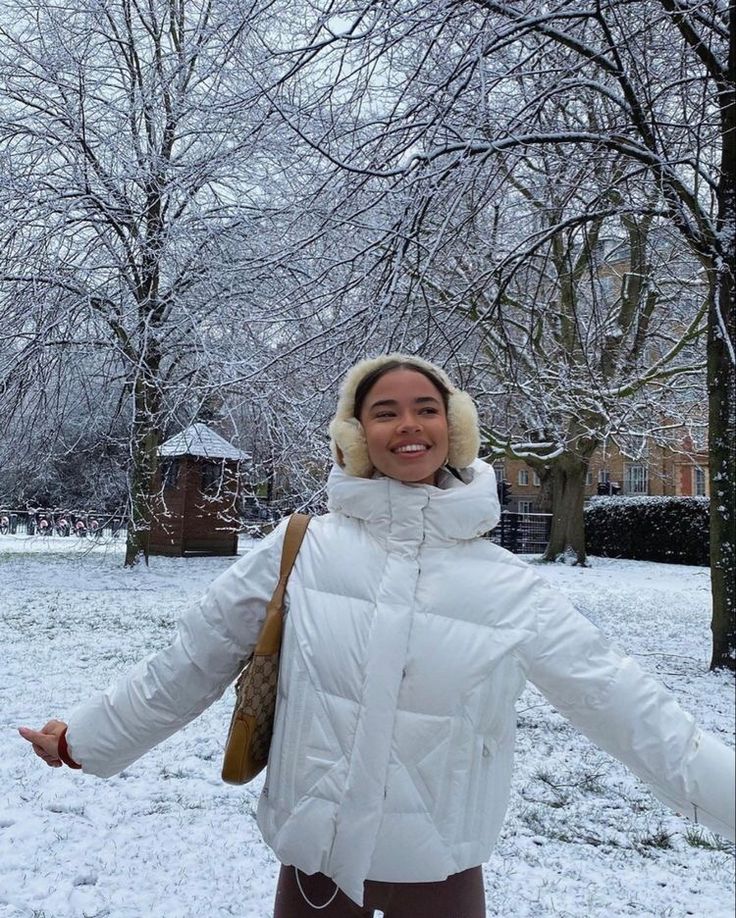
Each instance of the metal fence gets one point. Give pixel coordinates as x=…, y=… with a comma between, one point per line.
x=60, y=524
x=523, y=533
x=520, y=533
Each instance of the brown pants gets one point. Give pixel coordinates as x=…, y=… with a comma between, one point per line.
x=459, y=896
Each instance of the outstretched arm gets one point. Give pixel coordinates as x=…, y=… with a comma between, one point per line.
x=165, y=691
x=631, y=715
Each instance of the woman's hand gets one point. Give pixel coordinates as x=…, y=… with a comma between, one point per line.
x=46, y=741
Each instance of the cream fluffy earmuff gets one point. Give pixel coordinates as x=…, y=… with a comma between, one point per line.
x=347, y=439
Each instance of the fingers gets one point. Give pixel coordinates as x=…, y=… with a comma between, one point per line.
x=28, y=734
x=39, y=738
x=45, y=741
x=48, y=755
x=54, y=727
x=50, y=759
x=49, y=733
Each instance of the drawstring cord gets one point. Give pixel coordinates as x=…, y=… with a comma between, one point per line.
x=317, y=907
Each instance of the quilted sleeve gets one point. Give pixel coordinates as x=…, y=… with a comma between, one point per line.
x=166, y=690
x=627, y=712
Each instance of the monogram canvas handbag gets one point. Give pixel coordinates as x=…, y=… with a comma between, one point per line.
x=251, y=727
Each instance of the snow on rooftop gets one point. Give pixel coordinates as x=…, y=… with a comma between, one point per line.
x=200, y=440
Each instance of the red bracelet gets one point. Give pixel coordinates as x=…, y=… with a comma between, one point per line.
x=64, y=751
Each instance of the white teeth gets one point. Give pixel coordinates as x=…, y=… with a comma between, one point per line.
x=411, y=448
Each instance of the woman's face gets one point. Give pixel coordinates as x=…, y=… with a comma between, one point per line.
x=405, y=424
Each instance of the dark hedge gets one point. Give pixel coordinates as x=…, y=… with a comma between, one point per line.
x=670, y=529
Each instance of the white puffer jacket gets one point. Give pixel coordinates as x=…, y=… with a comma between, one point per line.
x=408, y=641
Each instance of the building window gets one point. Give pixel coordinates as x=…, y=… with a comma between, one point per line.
x=212, y=475
x=637, y=480
x=604, y=476
x=699, y=482
x=536, y=479
x=526, y=506
x=169, y=473
x=588, y=478
x=523, y=476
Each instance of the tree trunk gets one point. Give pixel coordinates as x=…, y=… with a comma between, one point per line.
x=722, y=388
x=722, y=473
x=545, y=499
x=145, y=440
x=568, y=497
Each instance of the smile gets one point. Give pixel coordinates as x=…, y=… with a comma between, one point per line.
x=411, y=448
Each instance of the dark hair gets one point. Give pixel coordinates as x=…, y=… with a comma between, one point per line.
x=368, y=381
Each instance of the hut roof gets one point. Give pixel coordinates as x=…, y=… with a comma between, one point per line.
x=200, y=440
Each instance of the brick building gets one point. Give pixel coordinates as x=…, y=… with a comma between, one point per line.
x=660, y=472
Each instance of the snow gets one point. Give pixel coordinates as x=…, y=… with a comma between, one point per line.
x=167, y=838
x=200, y=440
x=644, y=500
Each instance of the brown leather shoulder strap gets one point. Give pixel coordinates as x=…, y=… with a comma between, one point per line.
x=295, y=530
x=269, y=640
x=293, y=538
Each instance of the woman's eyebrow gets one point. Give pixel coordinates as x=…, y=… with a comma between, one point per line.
x=382, y=403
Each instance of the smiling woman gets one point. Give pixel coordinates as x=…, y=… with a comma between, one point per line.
x=405, y=423
x=408, y=641
x=389, y=386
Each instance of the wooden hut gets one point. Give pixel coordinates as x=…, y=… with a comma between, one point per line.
x=196, y=487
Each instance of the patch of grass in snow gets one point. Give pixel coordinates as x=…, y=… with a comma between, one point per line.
x=578, y=780
x=562, y=830
x=67, y=809
x=561, y=798
x=657, y=839
x=176, y=772
x=698, y=837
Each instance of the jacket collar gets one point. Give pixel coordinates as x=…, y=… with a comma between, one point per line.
x=452, y=511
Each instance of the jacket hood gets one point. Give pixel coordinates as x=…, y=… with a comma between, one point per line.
x=462, y=511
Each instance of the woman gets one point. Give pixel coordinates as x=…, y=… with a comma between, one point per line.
x=408, y=640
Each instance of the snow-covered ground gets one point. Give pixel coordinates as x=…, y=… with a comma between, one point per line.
x=168, y=839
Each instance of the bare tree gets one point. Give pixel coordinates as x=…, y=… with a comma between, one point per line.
x=577, y=309
x=669, y=68
x=133, y=201
x=439, y=100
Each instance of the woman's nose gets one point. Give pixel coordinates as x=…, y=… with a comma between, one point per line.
x=409, y=422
